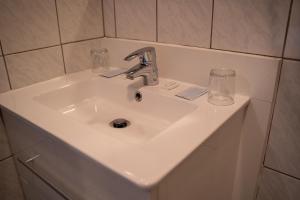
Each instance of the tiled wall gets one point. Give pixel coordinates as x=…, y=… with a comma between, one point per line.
x=40, y=37
x=249, y=26
x=40, y=40
x=281, y=176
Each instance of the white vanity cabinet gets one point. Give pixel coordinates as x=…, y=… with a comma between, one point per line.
x=63, y=167
x=51, y=169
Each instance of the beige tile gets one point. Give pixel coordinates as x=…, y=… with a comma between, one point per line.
x=284, y=142
x=4, y=84
x=34, y=66
x=27, y=25
x=185, y=22
x=136, y=19
x=276, y=186
x=292, y=48
x=77, y=55
x=254, y=26
x=4, y=147
x=9, y=185
x=79, y=19
x=109, y=17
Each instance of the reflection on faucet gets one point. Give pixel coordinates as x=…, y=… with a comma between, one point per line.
x=146, y=68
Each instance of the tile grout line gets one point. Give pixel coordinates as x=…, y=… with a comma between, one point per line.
x=40, y=48
x=115, y=18
x=282, y=173
x=5, y=158
x=212, y=23
x=292, y=59
x=75, y=41
x=183, y=45
x=5, y=65
x=83, y=40
x=60, y=40
x=276, y=89
x=269, y=126
x=103, y=18
x=287, y=28
x=253, y=54
x=277, y=85
x=156, y=20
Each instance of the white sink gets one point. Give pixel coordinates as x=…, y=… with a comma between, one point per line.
x=98, y=101
x=165, y=130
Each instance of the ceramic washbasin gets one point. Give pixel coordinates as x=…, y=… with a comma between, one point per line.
x=76, y=109
x=98, y=101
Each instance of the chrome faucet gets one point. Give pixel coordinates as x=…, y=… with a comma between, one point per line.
x=147, y=66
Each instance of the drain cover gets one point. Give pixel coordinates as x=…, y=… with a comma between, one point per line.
x=119, y=123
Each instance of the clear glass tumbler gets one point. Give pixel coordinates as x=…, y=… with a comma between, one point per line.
x=221, y=89
x=100, y=60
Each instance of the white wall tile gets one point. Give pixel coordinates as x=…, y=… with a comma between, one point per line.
x=292, y=48
x=79, y=19
x=254, y=26
x=276, y=186
x=4, y=84
x=27, y=25
x=34, y=66
x=136, y=19
x=77, y=55
x=185, y=22
x=4, y=147
x=109, y=17
x=9, y=185
x=283, y=152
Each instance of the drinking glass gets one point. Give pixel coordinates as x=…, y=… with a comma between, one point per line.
x=221, y=89
x=99, y=59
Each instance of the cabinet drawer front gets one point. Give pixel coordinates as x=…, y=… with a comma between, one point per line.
x=34, y=187
x=77, y=176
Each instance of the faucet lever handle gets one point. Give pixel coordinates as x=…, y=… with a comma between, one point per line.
x=145, y=55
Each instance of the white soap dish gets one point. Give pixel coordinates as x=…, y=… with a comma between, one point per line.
x=192, y=93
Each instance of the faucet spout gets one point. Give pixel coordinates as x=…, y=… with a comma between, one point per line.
x=146, y=73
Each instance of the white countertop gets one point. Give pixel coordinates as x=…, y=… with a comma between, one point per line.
x=143, y=164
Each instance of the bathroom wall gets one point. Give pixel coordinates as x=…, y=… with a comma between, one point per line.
x=40, y=40
x=40, y=37
x=269, y=28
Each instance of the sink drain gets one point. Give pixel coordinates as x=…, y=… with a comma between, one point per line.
x=138, y=96
x=119, y=123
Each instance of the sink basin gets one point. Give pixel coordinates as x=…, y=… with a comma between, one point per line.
x=74, y=112
x=98, y=101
